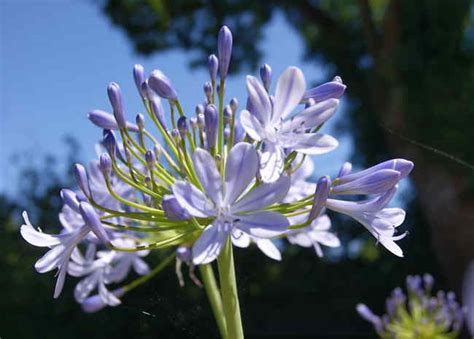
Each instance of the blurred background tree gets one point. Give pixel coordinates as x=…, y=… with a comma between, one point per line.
x=409, y=68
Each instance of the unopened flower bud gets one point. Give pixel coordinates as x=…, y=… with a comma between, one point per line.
x=115, y=98
x=428, y=281
x=199, y=109
x=208, y=90
x=193, y=122
x=139, y=77
x=140, y=120
x=150, y=159
x=227, y=114
x=173, y=210
x=234, y=104
x=91, y=219
x=373, y=183
x=109, y=142
x=162, y=85
x=106, y=120
x=201, y=121
x=82, y=180
x=157, y=149
x=224, y=48
x=266, y=76
x=176, y=135
x=105, y=164
x=157, y=110
x=210, y=117
x=320, y=196
x=70, y=199
x=183, y=126
x=213, y=65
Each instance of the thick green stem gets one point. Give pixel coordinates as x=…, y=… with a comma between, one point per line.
x=230, y=298
x=212, y=290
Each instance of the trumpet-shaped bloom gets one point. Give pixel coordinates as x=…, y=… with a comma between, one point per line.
x=229, y=202
x=268, y=120
x=380, y=221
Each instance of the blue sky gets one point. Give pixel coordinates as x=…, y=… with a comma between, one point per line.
x=57, y=57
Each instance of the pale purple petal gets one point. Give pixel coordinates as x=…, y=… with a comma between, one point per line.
x=262, y=196
x=240, y=169
x=301, y=238
x=309, y=143
x=370, y=205
x=193, y=200
x=331, y=89
x=208, y=246
x=37, y=238
x=272, y=161
x=326, y=238
x=259, y=100
x=290, y=89
x=373, y=183
x=140, y=266
x=269, y=249
x=85, y=287
x=208, y=174
x=401, y=165
x=251, y=125
x=263, y=224
x=108, y=297
x=312, y=116
x=60, y=281
x=95, y=303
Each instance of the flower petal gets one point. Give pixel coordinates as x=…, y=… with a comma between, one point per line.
x=140, y=266
x=240, y=169
x=269, y=249
x=192, y=199
x=290, y=90
x=251, y=125
x=262, y=196
x=240, y=239
x=312, y=116
x=326, y=238
x=207, y=248
x=208, y=174
x=259, y=100
x=84, y=287
x=37, y=238
x=263, y=224
x=272, y=161
x=309, y=143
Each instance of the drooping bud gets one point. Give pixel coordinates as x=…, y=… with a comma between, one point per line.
x=328, y=90
x=173, y=210
x=162, y=85
x=208, y=90
x=106, y=120
x=91, y=219
x=183, y=126
x=115, y=98
x=266, y=76
x=224, y=49
x=139, y=77
x=227, y=114
x=82, y=180
x=105, y=164
x=70, y=199
x=346, y=168
x=213, y=65
x=150, y=159
x=234, y=104
x=157, y=110
x=211, y=121
x=140, y=120
x=373, y=183
x=320, y=197
x=201, y=121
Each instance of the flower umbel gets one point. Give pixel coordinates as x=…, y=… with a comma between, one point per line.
x=211, y=180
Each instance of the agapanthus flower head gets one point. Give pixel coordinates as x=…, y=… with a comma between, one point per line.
x=417, y=314
x=210, y=180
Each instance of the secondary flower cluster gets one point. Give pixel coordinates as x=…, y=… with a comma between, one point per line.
x=418, y=314
x=217, y=176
